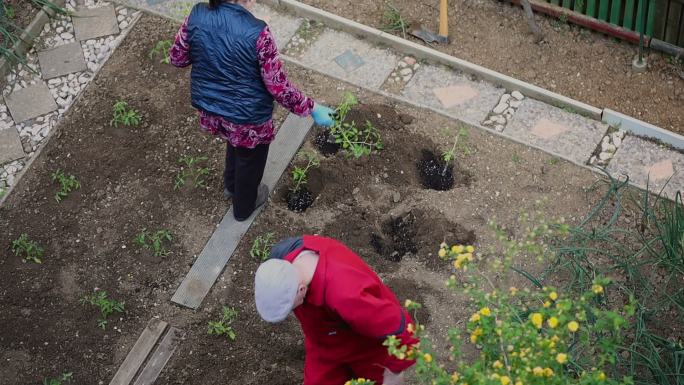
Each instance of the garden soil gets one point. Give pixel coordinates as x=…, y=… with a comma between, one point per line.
x=375, y=204
x=573, y=62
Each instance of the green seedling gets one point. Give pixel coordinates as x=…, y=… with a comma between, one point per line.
x=27, y=249
x=460, y=145
x=223, y=327
x=124, y=115
x=106, y=306
x=554, y=161
x=67, y=184
x=516, y=158
x=261, y=247
x=8, y=11
x=62, y=379
x=154, y=241
x=393, y=21
x=162, y=49
x=357, y=141
x=2, y=192
x=192, y=171
x=300, y=174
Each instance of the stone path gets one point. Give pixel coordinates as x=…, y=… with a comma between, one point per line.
x=64, y=59
x=561, y=132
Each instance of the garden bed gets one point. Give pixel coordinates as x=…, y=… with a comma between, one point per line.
x=574, y=62
x=375, y=204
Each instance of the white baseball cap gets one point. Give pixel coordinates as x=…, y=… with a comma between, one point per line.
x=275, y=288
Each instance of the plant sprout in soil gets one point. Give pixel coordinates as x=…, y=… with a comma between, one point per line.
x=437, y=172
x=299, y=198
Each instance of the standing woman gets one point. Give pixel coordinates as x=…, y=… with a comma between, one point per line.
x=236, y=75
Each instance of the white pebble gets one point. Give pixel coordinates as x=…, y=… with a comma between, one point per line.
x=66, y=36
x=517, y=95
x=501, y=107
x=123, y=25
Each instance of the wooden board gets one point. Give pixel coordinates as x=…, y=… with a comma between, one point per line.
x=226, y=237
x=629, y=14
x=603, y=10
x=135, y=358
x=615, y=9
x=160, y=357
x=591, y=8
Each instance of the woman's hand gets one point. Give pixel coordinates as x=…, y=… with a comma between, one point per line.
x=322, y=115
x=389, y=378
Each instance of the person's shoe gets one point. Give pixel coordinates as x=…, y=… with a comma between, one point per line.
x=227, y=194
x=262, y=197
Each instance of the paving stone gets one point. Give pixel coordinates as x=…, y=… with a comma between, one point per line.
x=10, y=146
x=647, y=162
x=282, y=25
x=95, y=22
x=377, y=63
x=30, y=102
x=551, y=128
x=62, y=60
x=453, y=92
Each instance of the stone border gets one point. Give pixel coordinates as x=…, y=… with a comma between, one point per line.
x=641, y=128
x=57, y=127
x=27, y=37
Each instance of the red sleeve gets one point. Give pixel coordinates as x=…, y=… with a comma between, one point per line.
x=370, y=309
x=274, y=77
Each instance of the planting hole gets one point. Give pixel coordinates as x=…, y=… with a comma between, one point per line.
x=397, y=239
x=433, y=173
x=298, y=201
x=325, y=143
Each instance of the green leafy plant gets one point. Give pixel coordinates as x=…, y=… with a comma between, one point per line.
x=8, y=11
x=106, y=305
x=261, y=247
x=223, y=327
x=192, y=171
x=124, y=115
x=154, y=241
x=27, y=249
x=67, y=183
x=357, y=141
x=393, y=21
x=300, y=174
x=162, y=49
x=360, y=381
x=62, y=379
x=459, y=145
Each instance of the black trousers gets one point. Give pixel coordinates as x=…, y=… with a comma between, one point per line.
x=244, y=170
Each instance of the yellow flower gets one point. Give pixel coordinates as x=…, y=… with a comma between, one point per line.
x=469, y=249
x=518, y=383
x=553, y=295
x=538, y=371
x=468, y=256
x=442, y=253
x=562, y=358
x=537, y=320
x=505, y=380
x=455, y=377
x=602, y=376
x=497, y=364
x=475, y=317
x=573, y=326
x=347, y=383
x=408, y=303
x=597, y=289
x=547, y=304
x=427, y=357
x=552, y=322
x=485, y=311
x=513, y=290
x=410, y=328
x=548, y=372
x=476, y=333
x=458, y=249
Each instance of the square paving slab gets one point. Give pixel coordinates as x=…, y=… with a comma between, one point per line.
x=282, y=25
x=95, y=22
x=10, y=146
x=647, y=162
x=570, y=135
x=61, y=60
x=453, y=92
x=342, y=55
x=30, y=102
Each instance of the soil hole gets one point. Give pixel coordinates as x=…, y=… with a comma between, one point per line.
x=397, y=239
x=325, y=143
x=433, y=172
x=299, y=200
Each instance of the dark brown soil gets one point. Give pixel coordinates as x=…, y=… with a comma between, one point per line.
x=127, y=185
x=299, y=200
x=574, y=62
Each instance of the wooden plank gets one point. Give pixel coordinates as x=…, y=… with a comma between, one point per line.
x=638, y=15
x=227, y=235
x=566, y=3
x=591, y=8
x=629, y=15
x=160, y=357
x=615, y=12
x=603, y=10
x=135, y=358
x=650, y=17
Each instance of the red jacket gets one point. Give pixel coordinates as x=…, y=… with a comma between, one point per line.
x=348, y=312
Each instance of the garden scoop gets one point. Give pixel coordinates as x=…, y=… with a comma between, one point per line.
x=428, y=36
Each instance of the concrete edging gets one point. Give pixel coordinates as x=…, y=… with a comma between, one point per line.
x=641, y=128
x=422, y=52
x=29, y=34
x=53, y=131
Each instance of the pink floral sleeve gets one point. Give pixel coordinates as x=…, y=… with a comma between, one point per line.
x=275, y=78
x=180, y=51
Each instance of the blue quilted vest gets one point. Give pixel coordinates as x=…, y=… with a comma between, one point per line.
x=226, y=76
